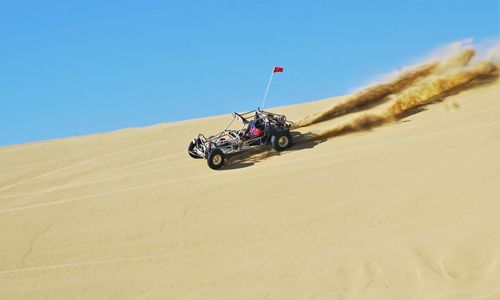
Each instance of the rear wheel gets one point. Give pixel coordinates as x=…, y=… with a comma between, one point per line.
x=282, y=140
x=216, y=159
x=191, y=150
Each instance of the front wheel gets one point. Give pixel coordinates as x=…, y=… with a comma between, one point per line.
x=282, y=140
x=216, y=159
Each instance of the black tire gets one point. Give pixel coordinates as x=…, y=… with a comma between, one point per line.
x=216, y=159
x=190, y=150
x=281, y=140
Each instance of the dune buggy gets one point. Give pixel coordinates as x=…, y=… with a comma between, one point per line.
x=259, y=128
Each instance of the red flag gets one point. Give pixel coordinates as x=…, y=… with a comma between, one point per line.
x=278, y=70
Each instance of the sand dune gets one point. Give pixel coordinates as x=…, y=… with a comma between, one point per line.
x=408, y=210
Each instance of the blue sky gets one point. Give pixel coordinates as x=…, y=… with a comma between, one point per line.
x=77, y=67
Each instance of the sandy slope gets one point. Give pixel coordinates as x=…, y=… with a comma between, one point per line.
x=410, y=210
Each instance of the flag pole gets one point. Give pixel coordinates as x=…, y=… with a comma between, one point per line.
x=267, y=89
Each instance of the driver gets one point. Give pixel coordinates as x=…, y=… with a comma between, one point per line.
x=251, y=131
x=254, y=130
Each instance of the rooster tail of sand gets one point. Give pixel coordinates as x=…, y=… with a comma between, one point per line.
x=454, y=75
x=374, y=94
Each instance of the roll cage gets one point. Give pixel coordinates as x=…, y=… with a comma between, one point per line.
x=230, y=141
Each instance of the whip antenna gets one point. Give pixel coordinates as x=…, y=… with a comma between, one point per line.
x=275, y=70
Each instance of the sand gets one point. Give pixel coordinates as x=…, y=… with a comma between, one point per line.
x=407, y=210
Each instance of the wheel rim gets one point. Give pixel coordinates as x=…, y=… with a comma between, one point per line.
x=217, y=159
x=283, y=141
